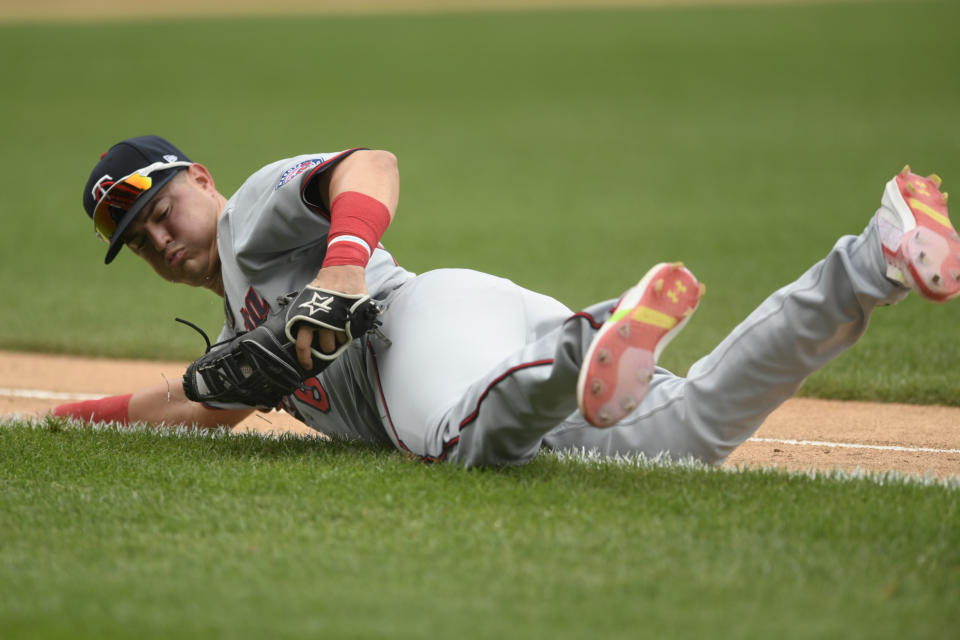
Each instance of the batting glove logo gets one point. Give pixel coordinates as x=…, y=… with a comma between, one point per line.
x=318, y=303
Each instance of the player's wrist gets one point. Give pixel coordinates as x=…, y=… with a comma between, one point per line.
x=349, y=279
x=357, y=222
x=344, y=252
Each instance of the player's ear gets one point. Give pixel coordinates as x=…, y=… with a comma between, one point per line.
x=201, y=176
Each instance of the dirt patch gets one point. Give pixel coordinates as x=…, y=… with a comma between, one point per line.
x=98, y=10
x=802, y=434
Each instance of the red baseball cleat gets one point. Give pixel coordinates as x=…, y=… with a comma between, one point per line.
x=920, y=245
x=619, y=365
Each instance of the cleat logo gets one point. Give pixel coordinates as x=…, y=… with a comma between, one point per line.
x=318, y=303
x=921, y=188
x=674, y=294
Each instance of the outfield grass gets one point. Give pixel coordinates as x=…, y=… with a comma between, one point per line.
x=567, y=151
x=125, y=534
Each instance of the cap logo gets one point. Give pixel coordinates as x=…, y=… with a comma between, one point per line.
x=170, y=158
x=101, y=187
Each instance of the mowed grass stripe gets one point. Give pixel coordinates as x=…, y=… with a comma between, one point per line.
x=111, y=533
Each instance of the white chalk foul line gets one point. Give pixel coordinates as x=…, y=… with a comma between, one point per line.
x=850, y=445
x=40, y=394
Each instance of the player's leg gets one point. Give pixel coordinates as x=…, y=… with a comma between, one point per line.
x=498, y=366
x=798, y=329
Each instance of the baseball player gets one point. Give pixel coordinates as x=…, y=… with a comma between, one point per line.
x=463, y=366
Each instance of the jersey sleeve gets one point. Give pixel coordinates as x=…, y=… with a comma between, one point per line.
x=278, y=209
x=309, y=182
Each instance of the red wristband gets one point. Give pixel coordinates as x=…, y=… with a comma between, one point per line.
x=357, y=222
x=110, y=409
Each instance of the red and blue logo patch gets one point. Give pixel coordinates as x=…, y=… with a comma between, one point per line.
x=298, y=169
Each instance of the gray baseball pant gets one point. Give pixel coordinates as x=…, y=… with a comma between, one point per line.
x=508, y=387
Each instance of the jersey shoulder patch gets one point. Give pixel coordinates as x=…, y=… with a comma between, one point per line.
x=298, y=169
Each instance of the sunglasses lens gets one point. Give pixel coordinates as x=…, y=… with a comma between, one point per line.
x=116, y=202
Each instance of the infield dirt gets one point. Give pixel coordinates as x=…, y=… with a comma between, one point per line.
x=98, y=10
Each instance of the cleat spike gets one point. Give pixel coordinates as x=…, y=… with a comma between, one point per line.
x=937, y=180
x=624, y=331
x=945, y=195
x=628, y=404
x=604, y=416
x=910, y=187
x=936, y=278
x=703, y=289
x=658, y=286
x=596, y=387
x=905, y=170
x=602, y=356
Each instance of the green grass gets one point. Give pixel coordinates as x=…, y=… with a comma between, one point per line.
x=143, y=534
x=567, y=151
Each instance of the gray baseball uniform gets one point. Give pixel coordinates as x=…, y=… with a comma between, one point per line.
x=474, y=369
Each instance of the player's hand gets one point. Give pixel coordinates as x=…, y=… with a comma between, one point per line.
x=348, y=279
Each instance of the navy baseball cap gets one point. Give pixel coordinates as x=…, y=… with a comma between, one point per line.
x=127, y=177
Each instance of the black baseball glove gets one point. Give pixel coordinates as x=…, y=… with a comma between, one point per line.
x=258, y=368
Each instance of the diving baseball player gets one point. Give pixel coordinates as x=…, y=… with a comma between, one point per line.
x=463, y=366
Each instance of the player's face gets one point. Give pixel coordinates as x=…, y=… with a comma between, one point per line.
x=176, y=233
